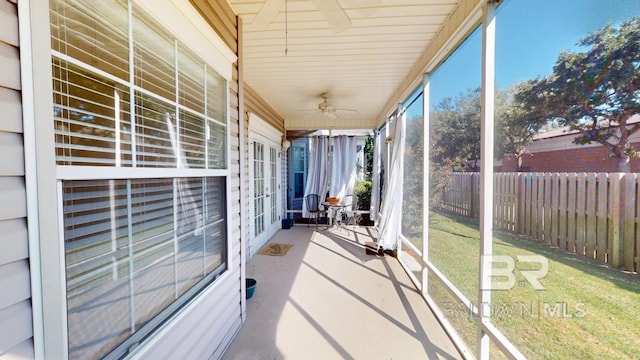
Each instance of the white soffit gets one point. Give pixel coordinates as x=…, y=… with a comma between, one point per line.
x=360, y=68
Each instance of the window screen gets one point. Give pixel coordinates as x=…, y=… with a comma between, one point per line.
x=137, y=247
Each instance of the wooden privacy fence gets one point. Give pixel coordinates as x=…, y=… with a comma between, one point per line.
x=596, y=215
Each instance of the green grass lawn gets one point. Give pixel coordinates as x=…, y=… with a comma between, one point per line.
x=587, y=310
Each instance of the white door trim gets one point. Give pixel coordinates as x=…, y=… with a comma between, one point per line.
x=259, y=126
x=261, y=131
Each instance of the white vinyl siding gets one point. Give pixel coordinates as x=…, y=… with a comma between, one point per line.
x=15, y=298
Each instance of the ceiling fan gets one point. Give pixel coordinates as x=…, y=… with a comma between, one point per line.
x=326, y=109
x=331, y=11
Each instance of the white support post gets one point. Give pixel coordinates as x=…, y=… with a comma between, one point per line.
x=425, y=181
x=402, y=117
x=486, y=173
x=242, y=119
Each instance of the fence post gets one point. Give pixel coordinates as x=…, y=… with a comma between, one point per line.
x=562, y=211
x=471, y=192
x=514, y=202
x=547, y=208
x=571, y=212
x=615, y=231
x=499, y=181
x=476, y=195
x=590, y=246
x=601, y=214
x=555, y=207
x=581, y=213
x=627, y=234
x=520, y=201
x=636, y=256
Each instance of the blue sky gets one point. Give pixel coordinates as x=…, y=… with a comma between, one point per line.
x=529, y=36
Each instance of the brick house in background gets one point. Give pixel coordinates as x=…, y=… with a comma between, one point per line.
x=555, y=151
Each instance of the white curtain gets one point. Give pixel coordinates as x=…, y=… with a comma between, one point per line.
x=317, y=172
x=391, y=215
x=343, y=167
x=375, y=181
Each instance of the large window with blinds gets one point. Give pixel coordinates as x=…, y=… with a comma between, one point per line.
x=141, y=128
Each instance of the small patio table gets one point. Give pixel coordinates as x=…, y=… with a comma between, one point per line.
x=335, y=207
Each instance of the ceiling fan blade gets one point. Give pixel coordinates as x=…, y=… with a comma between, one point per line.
x=350, y=111
x=334, y=14
x=333, y=116
x=267, y=13
x=314, y=113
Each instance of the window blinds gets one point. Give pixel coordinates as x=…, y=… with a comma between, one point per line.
x=133, y=247
x=95, y=124
x=136, y=249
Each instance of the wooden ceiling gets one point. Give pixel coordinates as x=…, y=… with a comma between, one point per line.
x=361, y=68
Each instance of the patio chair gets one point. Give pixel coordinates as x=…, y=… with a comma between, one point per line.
x=313, y=206
x=349, y=214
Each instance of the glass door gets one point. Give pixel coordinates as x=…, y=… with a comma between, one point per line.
x=264, y=192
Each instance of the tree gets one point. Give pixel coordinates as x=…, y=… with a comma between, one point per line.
x=456, y=130
x=515, y=126
x=368, y=157
x=362, y=187
x=413, y=185
x=595, y=91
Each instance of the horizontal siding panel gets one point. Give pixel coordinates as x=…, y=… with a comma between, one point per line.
x=225, y=328
x=15, y=291
x=12, y=150
x=235, y=231
x=236, y=254
x=216, y=323
x=14, y=243
x=233, y=100
x=222, y=25
x=15, y=325
x=11, y=110
x=235, y=327
x=9, y=23
x=13, y=195
x=233, y=128
x=196, y=330
x=10, y=60
x=22, y=351
x=15, y=277
x=226, y=12
x=255, y=104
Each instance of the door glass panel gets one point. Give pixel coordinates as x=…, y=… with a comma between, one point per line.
x=299, y=167
x=258, y=187
x=298, y=185
x=272, y=187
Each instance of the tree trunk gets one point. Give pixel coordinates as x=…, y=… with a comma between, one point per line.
x=623, y=164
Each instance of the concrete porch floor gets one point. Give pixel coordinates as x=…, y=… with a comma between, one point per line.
x=326, y=299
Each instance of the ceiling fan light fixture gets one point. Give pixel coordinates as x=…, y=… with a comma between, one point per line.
x=325, y=108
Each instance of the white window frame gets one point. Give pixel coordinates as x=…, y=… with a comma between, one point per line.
x=43, y=176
